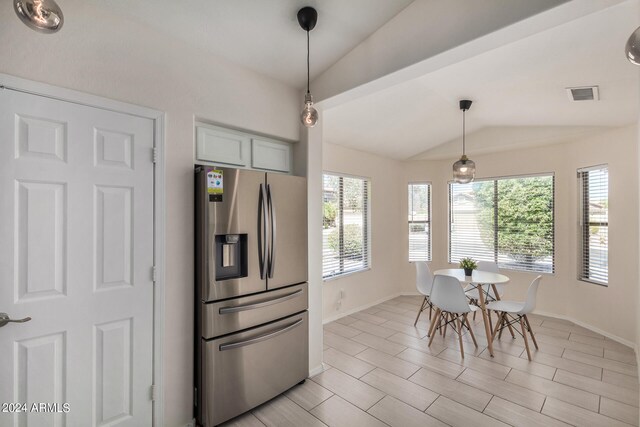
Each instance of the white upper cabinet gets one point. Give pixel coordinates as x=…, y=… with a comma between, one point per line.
x=270, y=155
x=216, y=145
x=213, y=145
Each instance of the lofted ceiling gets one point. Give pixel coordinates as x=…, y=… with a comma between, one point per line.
x=518, y=92
x=264, y=35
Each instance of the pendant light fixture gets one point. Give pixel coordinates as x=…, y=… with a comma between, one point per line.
x=464, y=170
x=43, y=16
x=307, y=18
x=632, y=49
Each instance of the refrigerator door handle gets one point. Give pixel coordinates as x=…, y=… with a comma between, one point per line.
x=262, y=231
x=254, y=306
x=238, y=344
x=272, y=244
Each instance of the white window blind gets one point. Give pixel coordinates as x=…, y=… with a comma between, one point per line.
x=509, y=221
x=419, y=222
x=345, y=234
x=593, y=184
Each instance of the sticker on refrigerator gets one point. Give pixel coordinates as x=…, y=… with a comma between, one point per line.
x=215, y=185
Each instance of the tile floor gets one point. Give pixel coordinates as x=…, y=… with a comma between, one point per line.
x=380, y=371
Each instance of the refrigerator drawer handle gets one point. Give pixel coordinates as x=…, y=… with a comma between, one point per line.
x=238, y=308
x=260, y=338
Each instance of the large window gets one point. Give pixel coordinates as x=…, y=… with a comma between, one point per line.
x=419, y=222
x=593, y=184
x=505, y=220
x=345, y=234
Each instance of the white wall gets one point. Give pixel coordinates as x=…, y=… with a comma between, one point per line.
x=381, y=280
x=107, y=55
x=611, y=309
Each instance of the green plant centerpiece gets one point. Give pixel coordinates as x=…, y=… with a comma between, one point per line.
x=469, y=264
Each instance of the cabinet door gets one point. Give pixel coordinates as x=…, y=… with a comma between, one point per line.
x=213, y=145
x=270, y=155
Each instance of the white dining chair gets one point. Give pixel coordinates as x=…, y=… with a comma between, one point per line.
x=508, y=310
x=452, y=308
x=424, y=282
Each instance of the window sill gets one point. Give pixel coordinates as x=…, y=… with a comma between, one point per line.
x=593, y=282
x=349, y=273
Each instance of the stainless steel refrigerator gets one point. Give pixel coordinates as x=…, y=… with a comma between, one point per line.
x=251, y=330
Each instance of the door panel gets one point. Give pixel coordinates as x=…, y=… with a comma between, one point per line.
x=237, y=213
x=224, y=317
x=76, y=219
x=243, y=370
x=289, y=214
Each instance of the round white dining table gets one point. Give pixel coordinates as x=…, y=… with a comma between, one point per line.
x=479, y=278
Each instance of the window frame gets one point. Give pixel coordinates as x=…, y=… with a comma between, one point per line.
x=366, y=228
x=583, y=222
x=495, y=179
x=429, y=222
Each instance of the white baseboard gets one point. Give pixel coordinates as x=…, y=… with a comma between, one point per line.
x=359, y=308
x=315, y=371
x=591, y=328
x=191, y=423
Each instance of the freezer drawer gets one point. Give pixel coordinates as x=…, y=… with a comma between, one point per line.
x=224, y=317
x=243, y=370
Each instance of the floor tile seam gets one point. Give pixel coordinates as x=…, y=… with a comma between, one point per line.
x=601, y=367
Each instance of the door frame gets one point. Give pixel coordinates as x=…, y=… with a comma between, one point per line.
x=8, y=82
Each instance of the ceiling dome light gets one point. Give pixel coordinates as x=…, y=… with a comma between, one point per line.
x=43, y=16
x=307, y=18
x=632, y=48
x=464, y=170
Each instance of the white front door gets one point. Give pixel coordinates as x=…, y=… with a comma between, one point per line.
x=76, y=252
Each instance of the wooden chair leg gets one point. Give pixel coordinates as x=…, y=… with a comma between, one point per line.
x=459, y=325
x=422, y=307
x=524, y=334
x=446, y=323
x=490, y=321
x=509, y=326
x=473, y=337
x=430, y=309
x=503, y=319
x=432, y=326
x=526, y=319
x=498, y=324
x=436, y=324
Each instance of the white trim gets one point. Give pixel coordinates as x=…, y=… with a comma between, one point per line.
x=317, y=370
x=591, y=328
x=159, y=220
x=359, y=308
x=81, y=98
x=191, y=423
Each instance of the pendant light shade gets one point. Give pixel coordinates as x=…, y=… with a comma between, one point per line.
x=43, y=16
x=632, y=49
x=307, y=18
x=464, y=170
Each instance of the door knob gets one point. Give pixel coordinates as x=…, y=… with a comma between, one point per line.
x=4, y=319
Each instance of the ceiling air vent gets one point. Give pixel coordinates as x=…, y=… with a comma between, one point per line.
x=583, y=93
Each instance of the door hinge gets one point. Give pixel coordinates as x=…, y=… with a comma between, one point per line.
x=154, y=155
x=154, y=274
x=153, y=391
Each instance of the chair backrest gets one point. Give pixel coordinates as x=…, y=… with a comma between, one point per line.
x=447, y=294
x=530, y=303
x=424, y=278
x=493, y=268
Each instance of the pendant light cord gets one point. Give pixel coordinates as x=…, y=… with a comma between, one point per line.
x=308, y=62
x=463, y=130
